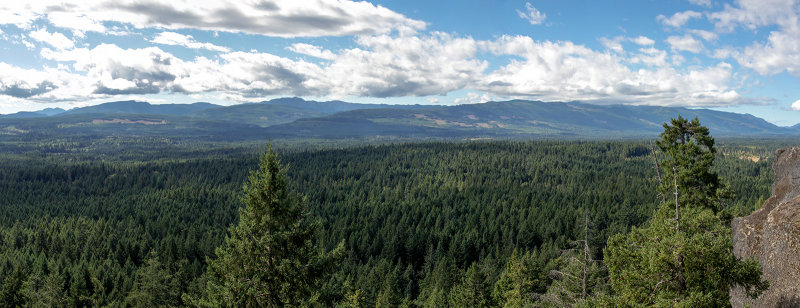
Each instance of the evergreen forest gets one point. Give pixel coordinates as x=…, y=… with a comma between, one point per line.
x=425, y=224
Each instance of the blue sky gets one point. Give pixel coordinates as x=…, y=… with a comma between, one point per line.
x=739, y=56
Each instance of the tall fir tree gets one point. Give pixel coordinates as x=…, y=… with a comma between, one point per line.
x=472, y=290
x=683, y=257
x=267, y=259
x=521, y=282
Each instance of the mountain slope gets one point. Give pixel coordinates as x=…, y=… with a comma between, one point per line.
x=294, y=118
x=135, y=107
x=524, y=118
x=285, y=110
x=33, y=114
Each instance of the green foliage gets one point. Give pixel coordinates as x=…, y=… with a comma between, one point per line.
x=690, y=153
x=90, y=214
x=521, y=282
x=684, y=255
x=267, y=259
x=473, y=290
x=575, y=281
x=155, y=286
x=647, y=264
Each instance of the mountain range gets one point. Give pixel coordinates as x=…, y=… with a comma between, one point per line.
x=295, y=118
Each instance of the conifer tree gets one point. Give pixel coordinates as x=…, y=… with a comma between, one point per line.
x=522, y=280
x=155, y=286
x=578, y=276
x=472, y=291
x=684, y=255
x=267, y=259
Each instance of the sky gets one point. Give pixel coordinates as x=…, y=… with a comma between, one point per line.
x=737, y=56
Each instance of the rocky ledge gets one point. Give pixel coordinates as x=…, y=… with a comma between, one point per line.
x=772, y=235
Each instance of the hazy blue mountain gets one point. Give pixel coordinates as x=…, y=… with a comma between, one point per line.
x=135, y=107
x=33, y=114
x=297, y=118
x=523, y=118
x=285, y=110
x=331, y=107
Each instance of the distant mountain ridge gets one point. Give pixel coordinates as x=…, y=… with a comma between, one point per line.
x=297, y=118
x=136, y=107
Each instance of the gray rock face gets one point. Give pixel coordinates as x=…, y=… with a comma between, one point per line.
x=772, y=235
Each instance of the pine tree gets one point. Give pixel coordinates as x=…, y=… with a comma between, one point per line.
x=521, y=281
x=687, y=174
x=155, y=286
x=684, y=255
x=267, y=259
x=472, y=291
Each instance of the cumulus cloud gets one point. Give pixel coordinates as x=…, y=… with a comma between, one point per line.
x=177, y=39
x=281, y=18
x=679, y=19
x=650, y=56
x=78, y=23
x=116, y=71
x=781, y=50
x=48, y=84
x=643, y=41
x=311, y=50
x=532, y=15
x=685, y=43
x=564, y=71
x=386, y=66
x=56, y=39
x=112, y=70
x=753, y=14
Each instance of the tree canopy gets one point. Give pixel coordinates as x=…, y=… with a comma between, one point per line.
x=683, y=256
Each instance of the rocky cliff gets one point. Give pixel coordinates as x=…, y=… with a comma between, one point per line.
x=772, y=235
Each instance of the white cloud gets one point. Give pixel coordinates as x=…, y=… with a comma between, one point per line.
x=563, y=71
x=706, y=3
x=56, y=39
x=643, y=41
x=282, y=18
x=650, y=56
x=27, y=44
x=385, y=66
x=614, y=44
x=679, y=19
x=78, y=23
x=780, y=53
x=473, y=98
x=796, y=105
x=311, y=50
x=533, y=16
x=20, y=18
x=756, y=13
x=43, y=85
x=114, y=70
x=706, y=35
x=781, y=50
x=685, y=43
x=177, y=39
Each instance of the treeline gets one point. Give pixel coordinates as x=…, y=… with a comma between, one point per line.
x=419, y=222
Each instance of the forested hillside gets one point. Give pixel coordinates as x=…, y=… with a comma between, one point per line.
x=417, y=220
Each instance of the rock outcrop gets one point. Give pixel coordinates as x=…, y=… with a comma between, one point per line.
x=772, y=235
